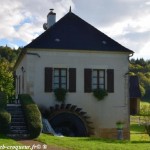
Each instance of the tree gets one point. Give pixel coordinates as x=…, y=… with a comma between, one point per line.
x=6, y=78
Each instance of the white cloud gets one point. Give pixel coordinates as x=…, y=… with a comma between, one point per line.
x=127, y=21
x=13, y=14
x=12, y=45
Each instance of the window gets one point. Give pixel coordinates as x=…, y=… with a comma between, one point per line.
x=98, y=79
x=60, y=78
x=95, y=78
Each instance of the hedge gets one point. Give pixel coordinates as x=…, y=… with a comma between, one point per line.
x=3, y=100
x=33, y=115
x=5, y=117
x=5, y=120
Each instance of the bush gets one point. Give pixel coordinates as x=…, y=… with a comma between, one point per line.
x=147, y=127
x=145, y=112
x=3, y=100
x=5, y=120
x=33, y=115
x=5, y=117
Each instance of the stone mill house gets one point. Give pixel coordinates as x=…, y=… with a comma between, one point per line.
x=73, y=55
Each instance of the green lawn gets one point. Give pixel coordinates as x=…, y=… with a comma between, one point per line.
x=139, y=140
x=94, y=143
x=5, y=141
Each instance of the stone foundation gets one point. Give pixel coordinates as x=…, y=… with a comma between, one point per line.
x=111, y=133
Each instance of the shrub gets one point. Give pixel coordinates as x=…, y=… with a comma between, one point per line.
x=145, y=112
x=5, y=120
x=3, y=100
x=5, y=117
x=100, y=93
x=60, y=94
x=147, y=127
x=33, y=115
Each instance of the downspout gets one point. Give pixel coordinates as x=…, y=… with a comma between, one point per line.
x=130, y=56
x=127, y=98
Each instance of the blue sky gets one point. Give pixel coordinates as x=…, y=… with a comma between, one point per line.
x=126, y=21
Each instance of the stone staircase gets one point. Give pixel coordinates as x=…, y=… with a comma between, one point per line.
x=18, y=127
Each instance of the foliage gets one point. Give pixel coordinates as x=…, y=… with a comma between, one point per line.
x=119, y=124
x=60, y=94
x=3, y=100
x=141, y=68
x=6, y=78
x=8, y=57
x=5, y=117
x=5, y=120
x=137, y=130
x=145, y=111
x=100, y=94
x=33, y=115
x=9, y=54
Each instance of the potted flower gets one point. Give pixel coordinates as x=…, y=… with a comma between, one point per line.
x=100, y=93
x=60, y=94
x=119, y=124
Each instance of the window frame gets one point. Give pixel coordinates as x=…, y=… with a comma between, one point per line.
x=98, y=77
x=60, y=76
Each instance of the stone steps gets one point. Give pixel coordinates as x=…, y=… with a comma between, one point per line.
x=18, y=127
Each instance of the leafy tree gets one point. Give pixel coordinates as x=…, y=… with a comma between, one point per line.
x=6, y=78
x=9, y=54
x=141, y=68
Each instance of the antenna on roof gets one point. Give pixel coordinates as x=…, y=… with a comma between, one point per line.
x=70, y=9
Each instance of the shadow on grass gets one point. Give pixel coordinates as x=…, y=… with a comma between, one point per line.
x=104, y=140
x=113, y=141
x=137, y=128
x=139, y=142
x=2, y=136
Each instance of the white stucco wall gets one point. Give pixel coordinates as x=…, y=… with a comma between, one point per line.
x=103, y=113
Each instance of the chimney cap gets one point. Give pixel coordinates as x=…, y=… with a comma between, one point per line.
x=51, y=9
x=51, y=12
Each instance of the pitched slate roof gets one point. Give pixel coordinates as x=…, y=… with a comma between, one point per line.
x=134, y=89
x=73, y=33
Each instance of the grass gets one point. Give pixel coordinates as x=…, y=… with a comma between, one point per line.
x=7, y=141
x=93, y=143
x=139, y=140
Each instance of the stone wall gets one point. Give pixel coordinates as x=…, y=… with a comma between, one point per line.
x=111, y=133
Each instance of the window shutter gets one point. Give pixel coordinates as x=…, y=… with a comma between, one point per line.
x=110, y=80
x=72, y=79
x=48, y=80
x=87, y=80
